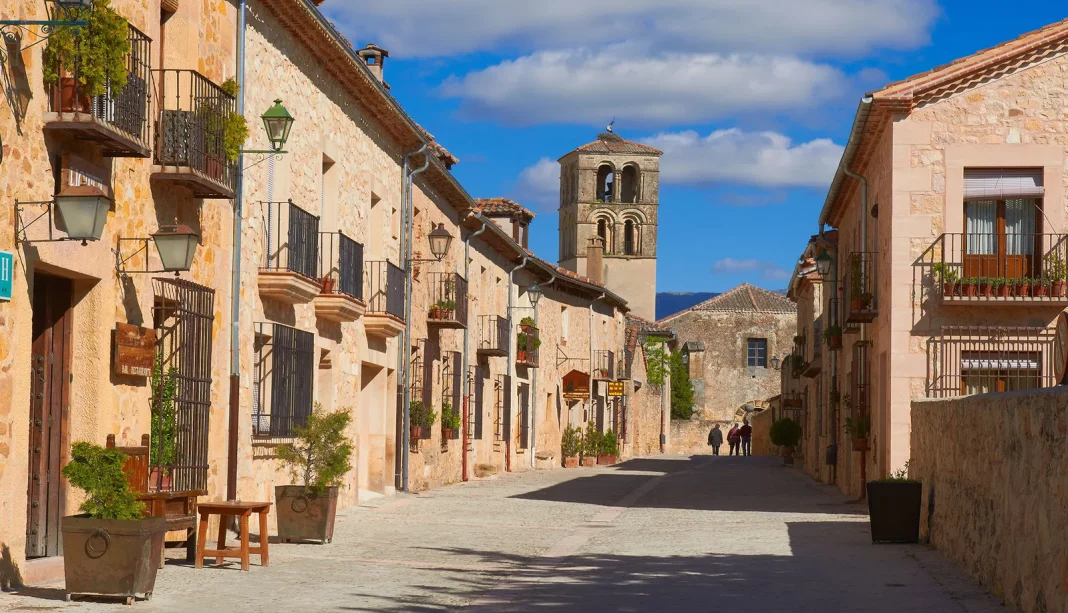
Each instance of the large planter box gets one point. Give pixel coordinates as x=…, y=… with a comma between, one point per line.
x=589, y=461
x=115, y=558
x=894, y=510
x=303, y=516
x=571, y=461
x=606, y=460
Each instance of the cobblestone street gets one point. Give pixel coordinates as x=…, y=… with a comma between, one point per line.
x=656, y=534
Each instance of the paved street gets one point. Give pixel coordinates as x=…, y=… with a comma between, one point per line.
x=656, y=534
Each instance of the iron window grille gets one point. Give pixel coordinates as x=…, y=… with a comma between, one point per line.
x=282, y=387
x=452, y=385
x=292, y=238
x=385, y=288
x=604, y=364
x=981, y=359
x=1022, y=266
x=863, y=303
x=190, y=125
x=448, y=298
x=522, y=432
x=125, y=110
x=340, y=265
x=183, y=315
x=860, y=383
x=476, y=396
x=493, y=335
x=502, y=407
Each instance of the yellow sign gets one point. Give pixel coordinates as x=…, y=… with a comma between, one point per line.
x=615, y=388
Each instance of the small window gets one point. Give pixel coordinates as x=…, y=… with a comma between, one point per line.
x=757, y=352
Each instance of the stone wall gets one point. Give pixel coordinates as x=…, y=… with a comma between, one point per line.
x=994, y=469
x=761, y=423
x=690, y=436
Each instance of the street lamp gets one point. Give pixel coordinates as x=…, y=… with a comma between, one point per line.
x=823, y=264
x=176, y=244
x=534, y=295
x=775, y=362
x=82, y=211
x=278, y=122
x=440, y=239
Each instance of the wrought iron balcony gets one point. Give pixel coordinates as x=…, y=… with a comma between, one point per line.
x=493, y=335
x=862, y=305
x=999, y=268
x=340, y=298
x=604, y=364
x=969, y=360
x=283, y=368
x=384, y=284
x=527, y=344
x=190, y=134
x=448, y=300
x=291, y=260
x=117, y=120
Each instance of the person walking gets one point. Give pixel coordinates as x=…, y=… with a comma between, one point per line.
x=745, y=433
x=733, y=439
x=715, y=439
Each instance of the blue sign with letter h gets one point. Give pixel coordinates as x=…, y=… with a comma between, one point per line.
x=7, y=266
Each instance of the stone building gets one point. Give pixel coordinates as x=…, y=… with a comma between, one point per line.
x=610, y=189
x=946, y=273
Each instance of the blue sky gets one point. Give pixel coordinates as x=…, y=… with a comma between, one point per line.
x=751, y=101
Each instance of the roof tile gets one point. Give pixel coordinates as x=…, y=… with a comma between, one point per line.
x=609, y=143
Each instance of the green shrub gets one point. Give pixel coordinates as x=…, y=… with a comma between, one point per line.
x=98, y=472
x=322, y=453
x=98, y=49
x=571, y=442
x=591, y=442
x=900, y=475
x=421, y=415
x=235, y=126
x=785, y=432
x=450, y=418
x=609, y=444
x=162, y=430
x=859, y=427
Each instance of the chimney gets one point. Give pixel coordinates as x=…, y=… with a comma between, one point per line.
x=595, y=259
x=374, y=56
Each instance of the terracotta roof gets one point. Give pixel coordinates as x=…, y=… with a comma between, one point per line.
x=609, y=143
x=502, y=206
x=745, y=298
x=439, y=150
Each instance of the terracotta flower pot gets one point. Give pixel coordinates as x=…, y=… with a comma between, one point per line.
x=860, y=444
x=71, y=100
x=1058, y=289
x=447, y=433
x=213, y=166
x=435, y=313
x=968, y=290
x=859, y=304
x=1003, y=291
x=986, y=290
x=571, y=461
x=949, y=288
x=522, y=356
x=327, y=284
x=157, y=484
x=835, y=341
x=1023, y=290
x=606, y=460
x=1039, y=290
x=415, y=432
x=589, y=461
x=788, y=456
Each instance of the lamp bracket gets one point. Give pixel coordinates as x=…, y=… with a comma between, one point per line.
x=264, y=155
x=22, y=225
x=123, y=263
x=13, y=30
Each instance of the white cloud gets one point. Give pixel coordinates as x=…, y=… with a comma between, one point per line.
x=539, y=185
x=436, y=28
x=765, y=159
x=769, y=271
x=590, y=87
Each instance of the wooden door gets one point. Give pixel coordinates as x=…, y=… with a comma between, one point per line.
x=49, y=408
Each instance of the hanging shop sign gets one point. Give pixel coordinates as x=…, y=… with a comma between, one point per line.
x=7, y=274
x=615, y=388
x=135, y=350
x=576, y=385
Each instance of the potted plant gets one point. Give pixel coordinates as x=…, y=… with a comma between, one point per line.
x=162, y=429
x=799, y=339
x=319, y=458
x=836, y=397
x=437, y=310
x=1056, y=271
x=326, y=285
x=985, y=287
x=1039, y=287
x=859, y=429
x=609, y=451
x=797, y=362
x=1002, y=287
x=571, y=446
x=111, y=549
x=420, y=420
x=1022, y=287
x=450, y=420
x=968, y=286
x=833, y=336
x=526, y=325
x=98, y=49
x=947, y=276
x=226, y=127
x=591, y=444
x=448, y=310
x=894, y=508
x=785, y=433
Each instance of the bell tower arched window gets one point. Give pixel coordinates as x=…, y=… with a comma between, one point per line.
x=630, y=177
x=630, y=238
x=606, y=177
x=604, y=231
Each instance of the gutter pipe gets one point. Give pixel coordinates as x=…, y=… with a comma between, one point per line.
x=467, y=345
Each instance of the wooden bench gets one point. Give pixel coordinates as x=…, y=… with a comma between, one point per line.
x=178, y=507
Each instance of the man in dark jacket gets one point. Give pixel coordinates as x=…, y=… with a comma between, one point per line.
x=715, y=439
x=746, y=434
x=733, y=440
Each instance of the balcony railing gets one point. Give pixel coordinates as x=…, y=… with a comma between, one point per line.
x=340, y=265
x=385, y=288
x=999, y=267
x=492, y=335
x=527, y=342
x=448, y=300
x=123, y=112
x=190, y=132
x=604, y=364
x=292, y=239
x=981, y=359
x=862, y=304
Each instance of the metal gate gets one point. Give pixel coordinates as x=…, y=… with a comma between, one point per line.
x=181, y=382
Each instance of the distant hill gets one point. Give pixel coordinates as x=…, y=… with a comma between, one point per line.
x=669, y=303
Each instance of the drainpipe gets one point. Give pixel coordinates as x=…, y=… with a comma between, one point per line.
x=511, y=357
x=235, y=281
x=404, y=353
x=534, y=390
x=467, y=343
x=592, y=302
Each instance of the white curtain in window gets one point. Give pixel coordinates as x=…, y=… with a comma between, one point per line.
x=1020, y=226
x=981, y=226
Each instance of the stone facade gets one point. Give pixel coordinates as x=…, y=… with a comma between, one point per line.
x=993, y=469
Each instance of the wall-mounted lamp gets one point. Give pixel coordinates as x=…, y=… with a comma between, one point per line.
x=176, y=245
x=277, y=122
x=81, y=212
x=534, y=294
x=775, y=361
x=823, y=264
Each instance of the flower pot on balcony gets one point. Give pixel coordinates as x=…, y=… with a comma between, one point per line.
x=571, y=461
x=435, y=313
x=327, y=284
x=835, y=341
x=949, y=288
x=448, y=433
x=213, y=166
x=71, y=100
x=589, y=462
x=1003, y=290
x=1039, y=290
x=522, y=355
x=415, y=432
x=986, y=289
x=1059, y=289
x=449, y=315
x=1023, y=289
x=303, y=516
x=860, y=444
x=967, y=290
x=606, y=460
x=894, y=511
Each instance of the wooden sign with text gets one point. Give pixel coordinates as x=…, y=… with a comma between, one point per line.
x=576, y=385
x=615, y=388
x=135, y=350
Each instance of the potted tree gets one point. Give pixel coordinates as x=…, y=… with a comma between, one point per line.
x=609, y=451
x=1056, y=271
x=319, y=459
x=450, y=420
x=591, y=444
x=833, y=336
x=162, y=430
x=947, y=276
x=98, y=50
x=420, y=420
x=526, y=342
x=859, y=429
x=111, y=549
x=894, y=508
x=785, y=433
x=571, y=446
